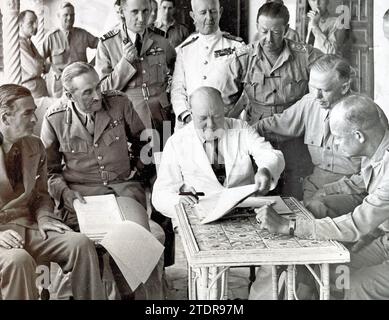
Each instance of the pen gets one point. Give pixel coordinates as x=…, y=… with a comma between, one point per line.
x=197, y=194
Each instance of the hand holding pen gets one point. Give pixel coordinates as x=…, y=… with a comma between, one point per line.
x=190, y=197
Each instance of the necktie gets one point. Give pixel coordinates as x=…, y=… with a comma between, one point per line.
x=327, y=130
x=138, y=43
x=90, y=123
x=216, y=159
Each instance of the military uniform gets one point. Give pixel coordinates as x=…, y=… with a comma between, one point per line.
x=202, y=60
x=175, y=32
x=97, y=164
x=145, y=80
x=369, y=267
x=271, y=90
x=308, y=119
x=63, y=48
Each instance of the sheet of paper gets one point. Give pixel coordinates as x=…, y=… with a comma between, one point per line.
x=127, y=243
x=276, y=202
x=97, y=214
x=216, y=206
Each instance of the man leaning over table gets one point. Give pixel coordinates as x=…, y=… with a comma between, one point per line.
x=212, y=153
x=86, y=141
x=358, y=131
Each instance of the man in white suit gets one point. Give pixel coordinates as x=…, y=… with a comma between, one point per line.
x=188, y=161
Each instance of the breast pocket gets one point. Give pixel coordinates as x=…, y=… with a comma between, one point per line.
x=158, y=68
x=253, y=83
x=295, y=87
x=114, y=135
x=59, y=57
x=74, y=147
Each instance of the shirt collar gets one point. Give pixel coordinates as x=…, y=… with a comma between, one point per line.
x=382, y=148
x=132, y=35
x=160, y=24
x=286, y=53
x=212, y=36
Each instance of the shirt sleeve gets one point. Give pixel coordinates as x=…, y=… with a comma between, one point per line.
x=351, y=185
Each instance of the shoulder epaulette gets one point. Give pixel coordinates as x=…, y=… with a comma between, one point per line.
x=243, y=50
x=110, y=34
x=231, y=37
x=56, y=109
x=157, y=31
x=114, y=93
x=189, y=42
x=297, y=46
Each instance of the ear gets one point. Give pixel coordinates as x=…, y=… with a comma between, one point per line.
x=346, y=87
x=286, y=29
x=68, y=95
x=221, y=11
x=192, y=15
x=360, y=136
x=4, y=118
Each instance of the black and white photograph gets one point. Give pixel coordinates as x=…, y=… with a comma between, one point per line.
x=206, y=151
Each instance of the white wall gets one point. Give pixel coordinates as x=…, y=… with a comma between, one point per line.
x=254, y=5
x=381, y=57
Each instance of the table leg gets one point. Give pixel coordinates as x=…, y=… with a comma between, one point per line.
x=213, y=290
x=290, y=273
x=202, y=287
x=274, y=278
x=325, y=278
x=224, y=285
x=191, y=284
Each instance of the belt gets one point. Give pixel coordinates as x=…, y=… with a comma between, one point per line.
x=145, y=90
x=272, y=108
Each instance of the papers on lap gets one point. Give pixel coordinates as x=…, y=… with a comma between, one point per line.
x=97, y=215
x=102, y=221
x=216, y=205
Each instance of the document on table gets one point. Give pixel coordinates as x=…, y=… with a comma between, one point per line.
x=275, y=201
x=135, y=250
x=215, y=206
x=97, y=215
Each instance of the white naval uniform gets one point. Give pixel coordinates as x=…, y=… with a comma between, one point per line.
x=200, y=63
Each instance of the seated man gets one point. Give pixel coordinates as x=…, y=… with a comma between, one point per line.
x=358, y=131
x=29, y=234
x=86, y=142
x=213, y=152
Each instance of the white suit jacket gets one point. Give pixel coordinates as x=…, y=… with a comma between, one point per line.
x=184, y=161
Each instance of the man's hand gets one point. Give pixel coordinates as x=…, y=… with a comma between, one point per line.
x=262, y=181
x=49, y=224
x=270, y=220
x=314, y=17
x=11, y=239
x=69, y=196
x=190, y=201
x=129, y=52
x=319, y=194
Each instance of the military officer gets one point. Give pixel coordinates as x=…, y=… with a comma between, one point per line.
x=137, y=61
x=273, y=72
x=65, y=45
x=358, y=131
x=90, y=134
x=175, y=32
x=202, y=59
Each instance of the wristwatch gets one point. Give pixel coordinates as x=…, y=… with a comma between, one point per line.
x=292, y=226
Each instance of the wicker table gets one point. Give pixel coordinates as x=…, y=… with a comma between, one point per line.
x=213, y=248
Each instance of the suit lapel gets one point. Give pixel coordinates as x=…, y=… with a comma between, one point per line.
x=102, y=120
x=6, y=190
x=146, y=45
x=77, y=129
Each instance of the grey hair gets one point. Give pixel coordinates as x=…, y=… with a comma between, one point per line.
x=74, y=70
x=192, y=2
x=334, y=63
x=66, y=4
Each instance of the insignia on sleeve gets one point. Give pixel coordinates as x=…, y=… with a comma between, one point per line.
x=243, y=50
x=110, y=34
x=189, y=42
x=224, y=52
x=231, y=37
x=297, y=46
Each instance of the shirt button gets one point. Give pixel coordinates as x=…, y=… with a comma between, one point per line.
x=117, y=138
x=328, y=148
x=204, y=77
x=102, y=167
x=328, y=166
x=275, y=91
x=144, y=71
x=99, y=158
x=141, y=59
x=311, y=142
x=205, y=62
x=105, y=183
x=206, y=48
x=272, y=74
x=72, y=151
x=96, y=145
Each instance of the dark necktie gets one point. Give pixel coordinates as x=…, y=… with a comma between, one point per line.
x=14, y=166
x=217, y=160
x=138, y=43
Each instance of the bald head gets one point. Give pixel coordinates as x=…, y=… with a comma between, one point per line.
x=208, y=112
x=356, y=124
x=386, y=24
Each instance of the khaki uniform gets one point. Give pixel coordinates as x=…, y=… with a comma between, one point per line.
x=202, y=60
x=145, y=80
x=98, y=164
x=19, y=211
x=369, y=267
x=62, y=49
x=271, y=90
x=307, y=119
x=175, y=32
